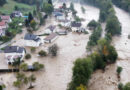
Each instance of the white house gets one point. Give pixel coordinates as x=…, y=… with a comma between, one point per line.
x=33, y=40
x=52, y=37
x=12, y=53
x=50, y=29
x=17, y=14
x=75, y=26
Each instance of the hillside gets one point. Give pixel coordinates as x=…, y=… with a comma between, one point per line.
x=9, y=7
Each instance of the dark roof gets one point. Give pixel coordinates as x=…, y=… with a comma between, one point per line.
x=51, y=27
x=50, y=37
x=12, y=49
x=31, y=37
x=76, y=24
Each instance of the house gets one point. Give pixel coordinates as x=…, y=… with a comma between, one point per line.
x=65, y=23
x=32, y=40
x=62, y=32
x=3, y=27
x=51, y=38
x=75, y=26
x=12, y=53
x=17, y=14
x=50, y=29
x=60, y=18
x=81, y=30
x=55, y=14
x=6, y=19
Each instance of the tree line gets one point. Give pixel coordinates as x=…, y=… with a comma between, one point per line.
x=2, y=2
x=124, y=4
x=30, y=2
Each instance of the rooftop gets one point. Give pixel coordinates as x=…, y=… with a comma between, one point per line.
x=51, y=36
x=14, y=49
x=31, y=37
x=2, y=23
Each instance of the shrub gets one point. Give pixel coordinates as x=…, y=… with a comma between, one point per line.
x=33, y=49
x=120, y=86
x=42, y=53
x=119, y=70
x=37, y=66
x=28, y=56
x=53, y=50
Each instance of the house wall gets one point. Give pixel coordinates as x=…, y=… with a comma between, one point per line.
x=14, y=54
x=74, y=29
x=50, y=41
x=32, y=43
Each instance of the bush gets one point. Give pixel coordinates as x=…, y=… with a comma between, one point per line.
x=120, y=86
x=42, y=53
x=28, y=56
x=119, y=70
x=33, y=49
x=86, y=32
x=37, y=66
x=127, y=86
x=93, y=24
x=53, y=50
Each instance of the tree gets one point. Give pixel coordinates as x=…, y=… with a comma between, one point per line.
x=30, y=17
x=120, y=86
x=28, y=56
x=37, y=66
x=83, y=9
x=42, y=53
x=33, y=24
x=127, y=86
x=81, y=87
x=53, y=50
x=119, y=70
x=72, y=7
x=93, y=24
x=113, y=26
x=17, y=83
x=77, y=19
x=50, y=2
x=48, y=8
x=64, y=5
x=31, y=79
x=16, y=8
x=26, y=22
x=24, y=67
x=2, y=2
x=82, y=71
x=17, y=62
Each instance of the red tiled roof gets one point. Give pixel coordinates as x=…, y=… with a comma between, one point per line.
x=5, y=17
x=2, y=23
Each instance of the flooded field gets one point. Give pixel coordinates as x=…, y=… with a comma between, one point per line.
x=58, y=70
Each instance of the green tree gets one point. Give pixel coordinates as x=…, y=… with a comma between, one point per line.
x=24, y=67
x=83, y=9
x=27, y=56
x=42, y=53
x=82, y=71
x=120, y=86
x=31, y=79
x=72, y=7
x=93, y=24
x=48, y=8
x=119, y=70
x=33, y=24
x=127, y=86
x=53, y=50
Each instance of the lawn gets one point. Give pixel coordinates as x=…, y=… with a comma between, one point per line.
x=9, y=7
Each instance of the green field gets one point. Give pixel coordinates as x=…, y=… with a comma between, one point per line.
x=9, y=7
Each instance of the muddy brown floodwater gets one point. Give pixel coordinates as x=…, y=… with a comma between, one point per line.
x=58, y=70
x=108, y=80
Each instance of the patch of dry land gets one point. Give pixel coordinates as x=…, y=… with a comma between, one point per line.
x=58, y=70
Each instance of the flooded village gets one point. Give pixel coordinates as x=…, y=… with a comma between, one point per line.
x=71, y=39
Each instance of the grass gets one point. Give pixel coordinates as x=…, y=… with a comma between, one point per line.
x=8, y=8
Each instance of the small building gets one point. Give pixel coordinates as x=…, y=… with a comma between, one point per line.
x=6, y=19
x=3, y=27
x=51, y=38
x=75, y=26
x=61, y=18
x=50, y=29
x=55, y=14
x=12, y=53
x=65, y=23
x=32, y=40
x=62, y=32
x=81, y=30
